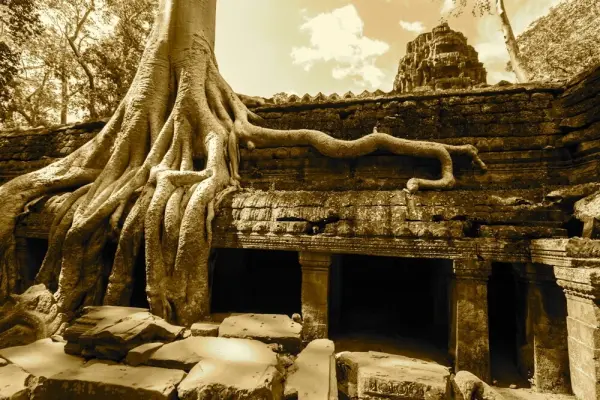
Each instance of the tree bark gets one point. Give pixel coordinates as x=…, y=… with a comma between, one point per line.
x=511, y=43
x=135, y=181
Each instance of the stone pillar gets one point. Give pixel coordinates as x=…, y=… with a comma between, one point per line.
x=471, y=340
x=315, y=294
x=547, y=315
x=582, y=290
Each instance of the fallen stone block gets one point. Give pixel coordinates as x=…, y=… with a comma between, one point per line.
x=185, y=354
x=205, y=329
x=365, y=375
x=105, y=380
x=43, y=358
x=467, y=386
x=13, y=383
x=231, y=380
x=266, y=328
x=142, y=353
x=313, y=375
x=111, y=332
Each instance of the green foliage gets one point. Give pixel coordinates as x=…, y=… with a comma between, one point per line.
x=79, y=66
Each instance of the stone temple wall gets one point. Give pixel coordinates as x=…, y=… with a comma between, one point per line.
x=537, y=140
x=540, y=143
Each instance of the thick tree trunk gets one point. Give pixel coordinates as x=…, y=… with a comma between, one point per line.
x=511, y=43
x=64, y=94
x=135, y=181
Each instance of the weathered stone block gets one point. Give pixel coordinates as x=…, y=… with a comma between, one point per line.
x=313, y=375
x=266, y=328
x=378, y=375
x=184, y=354
x=230, y=379
x=205, y=329
x=141, y=354
x=101, y=380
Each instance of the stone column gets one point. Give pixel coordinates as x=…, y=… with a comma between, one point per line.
x=315, y=294
x=471, y=341
x=582, y=290
x=547, y=315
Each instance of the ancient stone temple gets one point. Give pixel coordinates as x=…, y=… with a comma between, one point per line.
x=421, y=295
x=440, y=59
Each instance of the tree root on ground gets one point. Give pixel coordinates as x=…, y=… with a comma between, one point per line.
x=136, y=182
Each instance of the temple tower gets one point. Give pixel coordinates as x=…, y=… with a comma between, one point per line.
x=440, y=59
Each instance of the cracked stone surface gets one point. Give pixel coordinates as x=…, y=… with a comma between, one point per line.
x=110, y=332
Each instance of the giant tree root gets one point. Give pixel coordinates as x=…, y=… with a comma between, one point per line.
x=136, y=182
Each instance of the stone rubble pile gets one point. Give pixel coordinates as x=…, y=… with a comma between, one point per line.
x=127, y=353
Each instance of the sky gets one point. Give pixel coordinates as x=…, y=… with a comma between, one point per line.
x=265, y=47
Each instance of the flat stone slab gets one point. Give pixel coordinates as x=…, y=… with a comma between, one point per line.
x=205, y=329
x=13, y=383
x=366, y=375
x=106, y=380
x=232, y=380
x=110, y=332
x=313, y=376
x=266, y=328
x=42, y=358
x=185, y=354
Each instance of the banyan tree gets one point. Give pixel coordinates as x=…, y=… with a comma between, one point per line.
x=135, y=183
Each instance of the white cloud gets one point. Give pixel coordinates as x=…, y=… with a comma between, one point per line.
x=416, y=27
x=338, y=37
x=448, y=6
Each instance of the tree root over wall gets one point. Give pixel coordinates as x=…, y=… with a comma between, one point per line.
x=135, y=181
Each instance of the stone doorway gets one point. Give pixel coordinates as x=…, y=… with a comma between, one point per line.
x=396, y=305
x=31, y=252
x=255, y=281
x=507, y=317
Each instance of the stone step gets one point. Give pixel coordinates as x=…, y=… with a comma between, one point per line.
x=266, y=328
x=365, y=375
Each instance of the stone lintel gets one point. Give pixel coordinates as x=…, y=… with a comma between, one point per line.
x=315, y=294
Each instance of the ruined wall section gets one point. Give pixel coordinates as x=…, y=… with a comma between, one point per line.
x=26, y=151
x=579, y=106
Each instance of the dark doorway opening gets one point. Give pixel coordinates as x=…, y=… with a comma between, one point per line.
x=35, y=252
x=401, y=301
x=506, y=324
x=138, y=292
x=256, y=281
